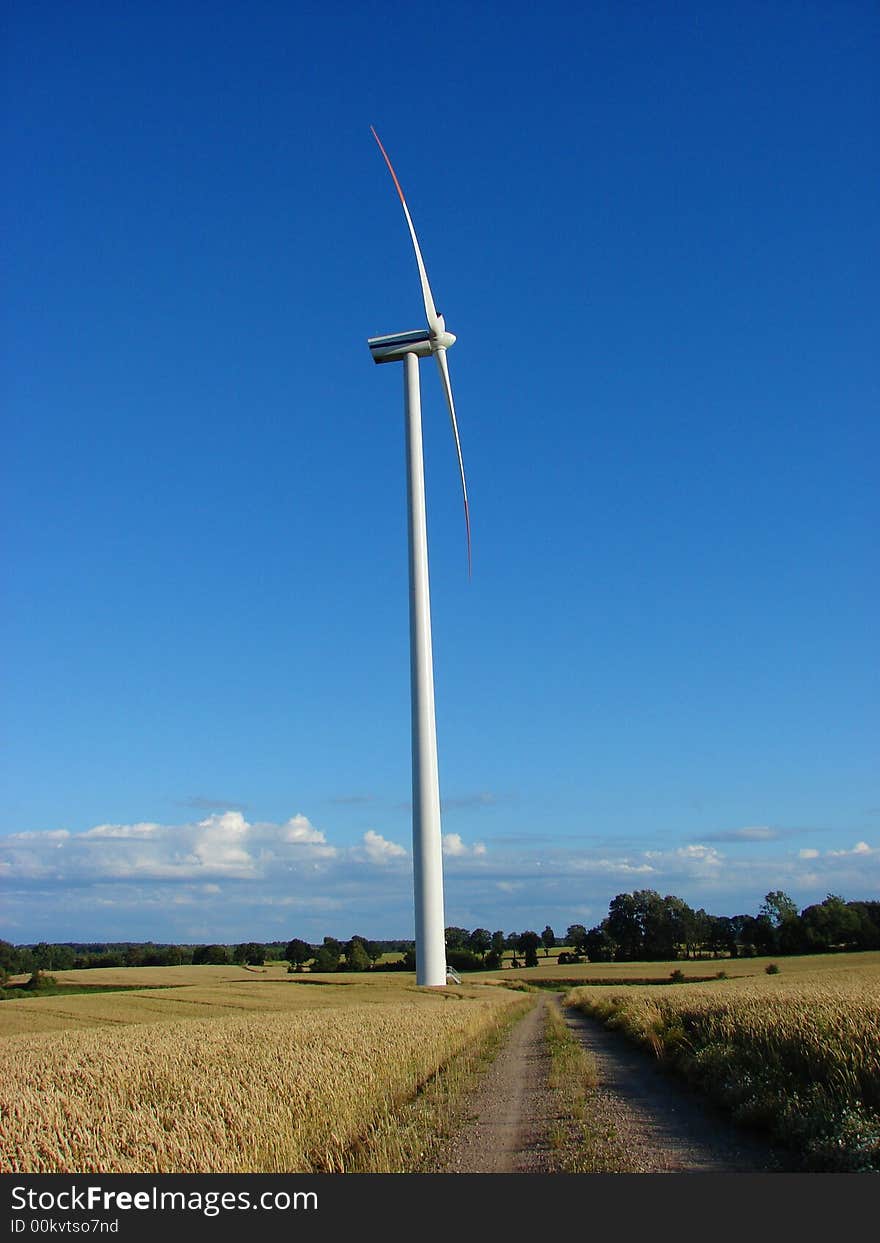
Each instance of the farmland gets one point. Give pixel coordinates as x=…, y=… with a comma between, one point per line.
x=694, y=968
x=223, y=1077
x=797, y=1054
x=229, y=1068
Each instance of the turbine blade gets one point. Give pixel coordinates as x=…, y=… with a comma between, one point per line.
x=443, y=367
x=430, y=309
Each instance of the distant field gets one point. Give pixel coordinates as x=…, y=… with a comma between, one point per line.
x=278, y=1078
x=215, y=997
x=701, y=967
x=150, y=976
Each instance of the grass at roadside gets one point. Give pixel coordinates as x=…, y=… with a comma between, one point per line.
x=581, y=1139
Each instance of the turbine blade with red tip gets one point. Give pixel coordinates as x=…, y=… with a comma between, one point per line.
x=430, y=309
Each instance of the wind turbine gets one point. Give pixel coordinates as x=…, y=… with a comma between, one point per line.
x=409, y=347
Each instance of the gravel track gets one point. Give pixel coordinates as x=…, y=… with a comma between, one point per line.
x=511, y=1110
x=664, y=1127
x=659, y=1126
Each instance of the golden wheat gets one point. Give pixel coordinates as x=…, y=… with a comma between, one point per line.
x=799, y=1054
x=81, y=1010
x=692, y=968
x=261, y=1091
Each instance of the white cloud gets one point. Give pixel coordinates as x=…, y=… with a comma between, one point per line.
x=617, y=867
x=220, y=871
x=705, y=856
x=454, y=847
x=300, y=829
x=49, y=835
x=221, y=844
x=860, y=848
x=379, y=850
x=122, y=832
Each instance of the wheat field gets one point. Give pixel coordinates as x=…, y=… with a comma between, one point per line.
x=212, y=999
x=799, y=1054
x=259, y=1090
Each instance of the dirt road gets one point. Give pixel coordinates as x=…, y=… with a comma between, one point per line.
x=658, y=1126
x=506, y=1132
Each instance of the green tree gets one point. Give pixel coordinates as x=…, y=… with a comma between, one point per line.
x=658, y=917
x=8, y=959
x=457, y=938
x=249, y=953
x=480, y=941
x=356, y=956
x=679, y=928
x=373, y=949
x=722, y=938
x=778, y=907
x=325, y=959
x=548, y=940
x=625, y=927
x=527, y=943
x=298, y=952
x=764, y=935
x=867, y=936
x=215, y=954
x=576, y=936
x=328, y=955
x=598, y=945
x=831, y=924
x=53, y=957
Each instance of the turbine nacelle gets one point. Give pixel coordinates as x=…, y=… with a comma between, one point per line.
x=440, y=338
x=393, y=347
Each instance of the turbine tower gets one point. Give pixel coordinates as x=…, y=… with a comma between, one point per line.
x=409, y=347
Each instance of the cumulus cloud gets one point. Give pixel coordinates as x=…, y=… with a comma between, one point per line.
x=223, y=844
x=860, y=848
x=220, y=874
x=300, y=829
x=379, y=850
x=454, y=847
x=705, y=856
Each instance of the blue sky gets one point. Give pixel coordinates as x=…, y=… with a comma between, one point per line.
x=653, y=230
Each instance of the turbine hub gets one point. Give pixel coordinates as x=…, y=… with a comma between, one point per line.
x=442, y=340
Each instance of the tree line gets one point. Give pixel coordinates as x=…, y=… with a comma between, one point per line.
x=643, y=926
x=640, y=926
